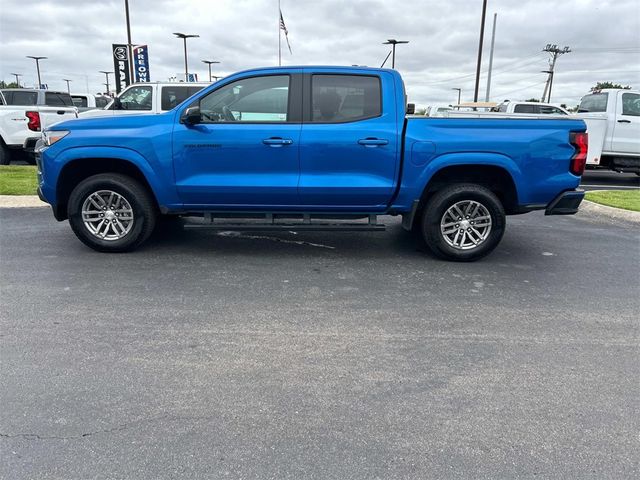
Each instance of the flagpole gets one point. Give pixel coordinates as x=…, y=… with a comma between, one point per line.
x=279, y=36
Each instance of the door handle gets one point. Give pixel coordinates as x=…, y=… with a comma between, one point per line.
x=277, y=141
x=60, y=112
x=373, y=142
x=624, y=121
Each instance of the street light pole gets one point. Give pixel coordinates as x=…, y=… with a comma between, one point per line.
x=459, y=93
x=209, y=62
x=37, y=59
x=184, y=37
x=129, y=45
x=17, y=75
x=106, y=74
x=68, y=88
x=393, y=42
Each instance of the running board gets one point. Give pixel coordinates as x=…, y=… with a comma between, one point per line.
x=273, y=222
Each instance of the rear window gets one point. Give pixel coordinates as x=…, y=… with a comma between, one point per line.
x=596, y=102
x=56, y=99
x=524, y=108
x=174, y=95
x=102, y=102
x=79, y=101
x=20, y=98
x=345, y=98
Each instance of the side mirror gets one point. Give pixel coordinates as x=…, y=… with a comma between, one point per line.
x=191, y=116
x=411, y=108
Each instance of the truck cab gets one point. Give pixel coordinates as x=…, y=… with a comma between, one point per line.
x=613, y=121
x=149, y=97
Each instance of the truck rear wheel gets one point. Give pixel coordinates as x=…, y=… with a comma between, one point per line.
x=111, y=212
x=463, y=222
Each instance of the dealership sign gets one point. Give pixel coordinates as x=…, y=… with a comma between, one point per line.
x=121, y=65
x=141, y=63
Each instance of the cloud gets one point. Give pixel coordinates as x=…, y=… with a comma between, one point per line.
x=77, y=35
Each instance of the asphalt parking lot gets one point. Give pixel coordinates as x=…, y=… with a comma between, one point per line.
x=609, y=180
x=320, y=355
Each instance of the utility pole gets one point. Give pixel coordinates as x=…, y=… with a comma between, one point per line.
x=484, y=15
x=493, y=42
x=17, y=75
x=106, y=74
x=129, y=45
x=459, y=93
x=394, y=42
x=555, y=52
x=209, y=62
x=68, y=88
x=37, y=59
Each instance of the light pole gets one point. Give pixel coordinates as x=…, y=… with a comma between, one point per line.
x=459, y=93
x=68, y=89
x=184, y=37
x=17, y=75
x=37, y=59
x=129, y=45
x=484, y=15
x=106, y=75
x=209, y=62
x=394, y=42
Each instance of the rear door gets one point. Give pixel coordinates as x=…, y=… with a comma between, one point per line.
x=626, y=126
x=173, y=95
x=349, y=140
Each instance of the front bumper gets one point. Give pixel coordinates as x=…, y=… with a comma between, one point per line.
x=566, y=203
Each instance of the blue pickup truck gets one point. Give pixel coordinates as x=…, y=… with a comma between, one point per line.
x=307, y=148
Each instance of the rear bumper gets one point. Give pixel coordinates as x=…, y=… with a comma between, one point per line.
x=566, y=203
x=29, y=145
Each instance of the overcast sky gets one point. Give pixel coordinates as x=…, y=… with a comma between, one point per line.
x=77, y=35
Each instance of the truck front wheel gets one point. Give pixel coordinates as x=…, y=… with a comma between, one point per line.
x=111, y=212
x=463, y=222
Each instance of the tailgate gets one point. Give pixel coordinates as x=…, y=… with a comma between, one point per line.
x=52, y=115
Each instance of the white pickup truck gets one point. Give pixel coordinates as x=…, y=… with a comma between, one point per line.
x=89, y=101
x=613, y=124
x=24, y=113
x=151, y=97
x=533, y=108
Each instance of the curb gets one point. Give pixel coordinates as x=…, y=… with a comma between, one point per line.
x=595, y=209
x=21, y=201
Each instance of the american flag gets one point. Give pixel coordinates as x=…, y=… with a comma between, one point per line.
x=283, y=27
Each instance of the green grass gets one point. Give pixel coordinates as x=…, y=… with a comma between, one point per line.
x=18, y=180
x=625, y=199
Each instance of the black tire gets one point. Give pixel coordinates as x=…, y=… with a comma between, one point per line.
x=5, y=154
x=439, y=204
x=138, y=197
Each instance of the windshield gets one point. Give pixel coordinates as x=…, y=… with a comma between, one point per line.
x=136, y=98
x=596, y=102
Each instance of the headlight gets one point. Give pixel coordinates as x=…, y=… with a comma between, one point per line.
x=50, y=137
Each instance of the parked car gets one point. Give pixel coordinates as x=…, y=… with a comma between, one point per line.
x=534, y=108
x=149, y=97
x=438, y=110
x=613, y=122
x=23, y=114
x=309, y=148
x=89, y=101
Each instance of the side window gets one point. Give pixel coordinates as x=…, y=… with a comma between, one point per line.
x=345, y=98
x=52, y=99
x=256, y=99
x=79, y=101
x=21, y=98
x=631, y=104
x=101, y=102
x=171, y=96
x=524, y=108
x=137, y=98
x=549, y=110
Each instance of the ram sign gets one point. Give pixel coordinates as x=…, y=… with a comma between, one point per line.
x=121, y=66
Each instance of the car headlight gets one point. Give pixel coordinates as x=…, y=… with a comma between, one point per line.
x=49, y=137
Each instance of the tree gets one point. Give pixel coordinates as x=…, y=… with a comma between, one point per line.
x=533, y=100
x=4, y=84
x=603, y=85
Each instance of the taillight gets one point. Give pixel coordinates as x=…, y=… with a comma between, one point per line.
x=580, y=141
x=34, y=121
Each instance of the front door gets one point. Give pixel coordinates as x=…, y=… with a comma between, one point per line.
x=244, y=153
x=626, y=129
x=348, y=146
